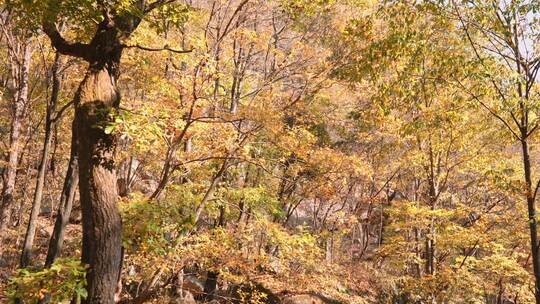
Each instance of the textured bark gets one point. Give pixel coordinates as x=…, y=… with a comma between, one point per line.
x=533, y=221
x=44, y=163
x=67, y=197
x=96, y=103
x=432, y=198
x=20, y=100
x=102, y=227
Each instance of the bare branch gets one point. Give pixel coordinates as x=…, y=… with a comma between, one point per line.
x=164, y=48
x=493, y=113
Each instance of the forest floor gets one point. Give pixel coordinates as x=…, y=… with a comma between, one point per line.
x=10, y=255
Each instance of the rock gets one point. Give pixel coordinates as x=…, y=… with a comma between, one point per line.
x=46, y=231
x=303, y=299
x=187, y=298
x=193, y=285
x=45, y=210
x=4, y=263
x=131, y=270
x=76, y=216
x=247, y=290
x=145, y=186
x=275, y=265
x=311, y=298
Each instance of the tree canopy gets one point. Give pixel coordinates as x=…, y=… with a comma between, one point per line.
x=269, y=151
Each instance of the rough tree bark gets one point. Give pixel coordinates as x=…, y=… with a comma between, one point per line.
x=50, y=120
x=531, y=207
x=67, y=197
x=20, y=79
x=96, y=103
x=102, y=228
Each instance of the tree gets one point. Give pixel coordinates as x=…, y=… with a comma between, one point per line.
x=20, y=52
x=501, y=36
x=421, y=73
x=96, y=103
x=273, y=151
x=51, y=119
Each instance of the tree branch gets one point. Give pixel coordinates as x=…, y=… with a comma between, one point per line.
x=164, y=48
x=152, y=6
x=64, y=47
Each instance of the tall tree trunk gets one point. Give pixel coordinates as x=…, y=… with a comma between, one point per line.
x=432, y=197
x=210, y=284
x=44, y=163
x=67, y=197
x=96, y=102
x=20, y=101
x=531, y=208
x=430, y=250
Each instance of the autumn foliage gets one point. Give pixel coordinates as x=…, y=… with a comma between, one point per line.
x=280, y=151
